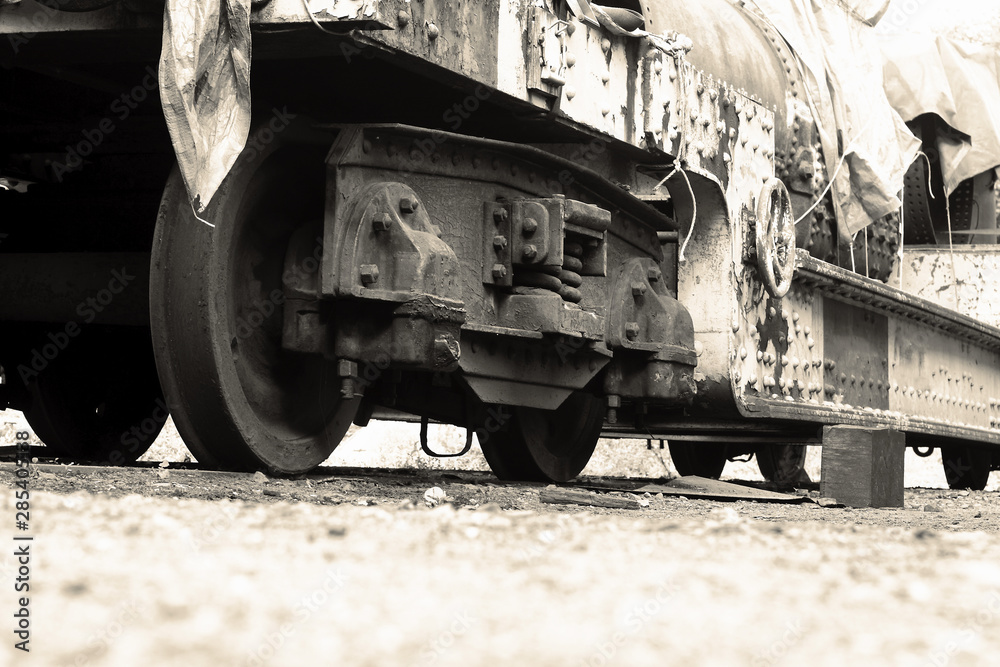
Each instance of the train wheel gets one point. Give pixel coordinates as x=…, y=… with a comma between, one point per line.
x=99, y=400
x=966, y=467
x=545, y=445
x=782, y=464
x=706, y=459
x=238, y=398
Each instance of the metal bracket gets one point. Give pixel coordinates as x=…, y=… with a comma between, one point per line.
x=430, y=452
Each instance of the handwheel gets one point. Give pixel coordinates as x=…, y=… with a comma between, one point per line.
x=704, y=459
x=782, y=464
x=100, y=399
x=966, y=467
x=531, y=444
x=238, y=398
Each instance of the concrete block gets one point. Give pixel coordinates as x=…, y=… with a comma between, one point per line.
x=863, y=467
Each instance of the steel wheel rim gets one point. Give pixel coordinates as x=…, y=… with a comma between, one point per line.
x=253, y=405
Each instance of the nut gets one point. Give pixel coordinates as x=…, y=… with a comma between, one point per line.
x=369, y=273
x=381, y=222
x=632, y=330
x=499, y=272
x=638, y=289
x=529, y=252
x=499, y=242
x=407, y=205
x=653, y=274
x=529, y=226
x=500, y=215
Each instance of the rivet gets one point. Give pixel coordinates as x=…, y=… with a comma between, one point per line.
x=432, y=32
x=403, y=19
x=605, y=77
x=760, y=355
x=570, y=59
x=743, y=353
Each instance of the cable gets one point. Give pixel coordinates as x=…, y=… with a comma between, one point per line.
x=694, y=206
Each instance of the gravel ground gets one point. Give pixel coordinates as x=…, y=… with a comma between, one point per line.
x=162, y=566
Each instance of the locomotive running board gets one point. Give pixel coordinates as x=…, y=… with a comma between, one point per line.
x=841, y=348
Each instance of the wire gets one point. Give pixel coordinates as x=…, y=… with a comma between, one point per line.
x=829, y=185
x=694, y=217
x=951, y=250
x=694, y=206
x=198, y=217
x=312, y=17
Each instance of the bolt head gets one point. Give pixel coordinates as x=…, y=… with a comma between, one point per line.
x=638, y=289
x=529, y=252
x=499, y=242
x=369, y=273
x=381, y=222
x=407, y=205
x=529, y=226
x=632, y=330
x=499, y=272
x=500, y=215
x=653, y=274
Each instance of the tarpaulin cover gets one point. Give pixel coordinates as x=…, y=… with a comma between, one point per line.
x=959, y=82
x=205, y=89
x=840, y=63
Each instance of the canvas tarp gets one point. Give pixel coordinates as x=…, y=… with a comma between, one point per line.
x=205, y=89
x=840, y=65
x=959, y=82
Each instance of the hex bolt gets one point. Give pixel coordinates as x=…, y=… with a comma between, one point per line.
x=499, y=242
x=381, y=222
x=499, y=272
x=407, y=205
x=529, y=226
x=529, y=252
x=369, y=273
x=632, y=330
x=500, y=215
x=638, y=289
